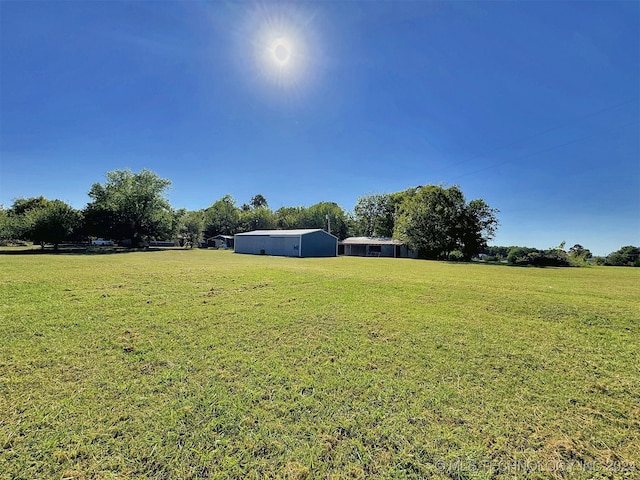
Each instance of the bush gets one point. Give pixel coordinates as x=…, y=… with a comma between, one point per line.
x=520, y=255
x=456, y=256
x=628, y=256
x=579, y=261
x=553, y=257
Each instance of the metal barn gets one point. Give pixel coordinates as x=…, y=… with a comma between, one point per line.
x=287, y=243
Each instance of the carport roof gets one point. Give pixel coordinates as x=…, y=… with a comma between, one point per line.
x=371, y=241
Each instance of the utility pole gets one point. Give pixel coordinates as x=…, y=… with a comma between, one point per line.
x=328, y=223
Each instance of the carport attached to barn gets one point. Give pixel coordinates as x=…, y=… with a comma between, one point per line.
x=375, y=247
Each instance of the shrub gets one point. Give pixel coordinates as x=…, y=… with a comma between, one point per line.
x=554, y=257
x=520, y=255
x=628, y=256
x=456, y=256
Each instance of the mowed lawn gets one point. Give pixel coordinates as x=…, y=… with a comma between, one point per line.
x=208, y=364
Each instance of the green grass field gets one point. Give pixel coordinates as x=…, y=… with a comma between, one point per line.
x=207, y=364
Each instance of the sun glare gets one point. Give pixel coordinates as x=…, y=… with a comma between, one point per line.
x=282, y=47
x=281, y=51
x=281, y=56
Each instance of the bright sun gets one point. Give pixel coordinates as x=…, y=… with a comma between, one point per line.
x=281, y=46
x=281, y=55
x=281, y=51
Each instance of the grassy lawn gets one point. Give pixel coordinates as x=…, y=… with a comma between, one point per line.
x=207, y=364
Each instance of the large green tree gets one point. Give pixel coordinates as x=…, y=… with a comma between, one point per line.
x=259, y=201
x=40, y=220
x=477, y=225
x=222, y=217
x=437, y=221
x=130, y=206
x=21, y=206
x=17, y=225
x=370, y=213
x=327, y=216
x=8, y=231
x=190, y=226
x=323, y=215
x=257, y=218
x=52, y=223
x=375, y=214
x=290, y=217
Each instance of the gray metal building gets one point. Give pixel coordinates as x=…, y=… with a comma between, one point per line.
x=288, y=243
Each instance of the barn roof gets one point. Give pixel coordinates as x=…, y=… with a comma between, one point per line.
x=371, y=241
x=281, y=233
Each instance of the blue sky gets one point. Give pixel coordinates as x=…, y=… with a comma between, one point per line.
x=533, y=106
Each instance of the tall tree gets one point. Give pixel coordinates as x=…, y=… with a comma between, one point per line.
x=479, y=224
x=21, y=206
x=8, y=227
x=258, y=201
x=327, y=216
x=320, y=215
x=375, y=214
x=290, y=217
x=130, y=206
x=53, y=223
x=369, y=212
x=190, y=227
x=18, y=222
x=437, y=220
x=578, y=254
x=40, y=220
x=260, y=218
x=222, y=217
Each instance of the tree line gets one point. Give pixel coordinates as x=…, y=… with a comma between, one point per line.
x=131, y=207
x=575, y=256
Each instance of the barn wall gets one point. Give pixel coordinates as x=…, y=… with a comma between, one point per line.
x=283, y=246
x=319, y=244
x=248, y=244
x=267, y=245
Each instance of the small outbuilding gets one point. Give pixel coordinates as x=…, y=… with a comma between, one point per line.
x=375, y=247
x=220, y=241
x=287, y=243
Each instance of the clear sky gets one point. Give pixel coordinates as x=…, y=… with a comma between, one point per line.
x=533, y=106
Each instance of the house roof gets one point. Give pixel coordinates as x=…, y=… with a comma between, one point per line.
x=281, y=233
x=371, y=241
x=227, y=237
